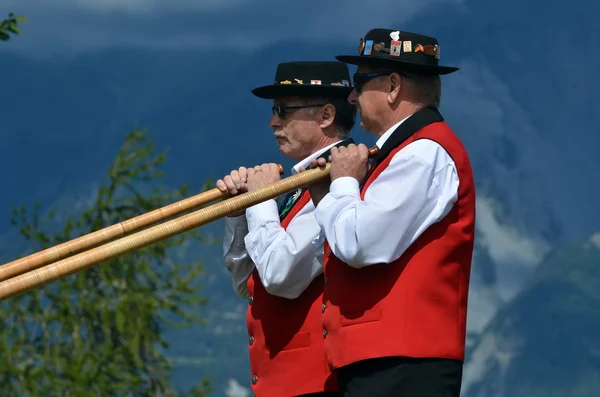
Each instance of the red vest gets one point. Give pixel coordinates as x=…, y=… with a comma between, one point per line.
x=287, y=356
x=415, y=306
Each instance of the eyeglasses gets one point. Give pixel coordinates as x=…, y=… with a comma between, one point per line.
x=360, y=79
x=283, y=111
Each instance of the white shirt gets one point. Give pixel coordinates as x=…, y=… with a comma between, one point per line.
x=417, y=189
x=285, y=259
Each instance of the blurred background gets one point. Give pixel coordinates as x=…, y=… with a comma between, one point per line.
x=87, y=86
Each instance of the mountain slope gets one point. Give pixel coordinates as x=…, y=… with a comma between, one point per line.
x=546, y=341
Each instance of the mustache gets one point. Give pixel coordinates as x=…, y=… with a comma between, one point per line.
x=278, y=134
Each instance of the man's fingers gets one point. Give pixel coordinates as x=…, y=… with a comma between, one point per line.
x=235, y=176
x=230, y=184
x=243, y=173
x=221, y=185
x=363, y=150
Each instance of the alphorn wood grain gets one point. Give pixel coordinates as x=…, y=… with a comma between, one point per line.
x=99, y=237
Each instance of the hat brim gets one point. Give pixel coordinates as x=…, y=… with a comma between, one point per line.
x=314, y=90
x=402, y=64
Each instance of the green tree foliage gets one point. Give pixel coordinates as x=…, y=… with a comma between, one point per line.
x=10, y=25
x=100, y=331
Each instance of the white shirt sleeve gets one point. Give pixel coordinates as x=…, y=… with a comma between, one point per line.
x=417, y=189
x=284, y=259
x=236, y=258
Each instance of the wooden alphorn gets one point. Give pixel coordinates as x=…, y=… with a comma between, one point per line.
x=82, y=261
x=94, y=239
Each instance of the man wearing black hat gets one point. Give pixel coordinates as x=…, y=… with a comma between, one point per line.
x=399, y=235
x=269, y=251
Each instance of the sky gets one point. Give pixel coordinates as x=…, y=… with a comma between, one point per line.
x=87, y=25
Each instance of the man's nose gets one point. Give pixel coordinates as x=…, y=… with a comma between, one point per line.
x=275, y=121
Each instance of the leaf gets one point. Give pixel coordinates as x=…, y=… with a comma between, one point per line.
x=13, y=28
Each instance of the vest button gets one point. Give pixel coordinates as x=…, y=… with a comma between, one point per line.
x=251, y=340
x=323, y=308
x=324, y=333
x=250, y=300
x=326, y=280
x=254, y=379
x=328, y=253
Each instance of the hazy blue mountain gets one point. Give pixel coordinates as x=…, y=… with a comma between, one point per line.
x=546, y=341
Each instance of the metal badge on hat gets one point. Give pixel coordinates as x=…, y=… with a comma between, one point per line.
x=344, y=83
x=428, y=49
x=380, y=47
x=395, y=48
x=361, y=46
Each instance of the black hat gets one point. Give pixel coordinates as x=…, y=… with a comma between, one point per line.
x=308, y=78
x=403, y=50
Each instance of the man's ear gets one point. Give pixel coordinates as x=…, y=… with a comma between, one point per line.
x=327, y=115
x=395, y=87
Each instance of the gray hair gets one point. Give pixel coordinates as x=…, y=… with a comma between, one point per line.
x=345, y=113
x=427, y=88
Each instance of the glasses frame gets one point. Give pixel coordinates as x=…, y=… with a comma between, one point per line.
x=282, y=110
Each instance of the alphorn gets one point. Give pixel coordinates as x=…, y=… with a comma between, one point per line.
x=84, y=260
x=99, y=237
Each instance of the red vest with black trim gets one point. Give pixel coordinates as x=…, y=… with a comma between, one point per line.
x=287, y=356
x=415, y=306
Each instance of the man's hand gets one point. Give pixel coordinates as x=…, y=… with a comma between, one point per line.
x=350, y=161
x=262, y=175
x=236, y=182
x=320, y=189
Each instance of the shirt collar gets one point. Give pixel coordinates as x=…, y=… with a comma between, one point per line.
x=389, y=132
x=305, y=163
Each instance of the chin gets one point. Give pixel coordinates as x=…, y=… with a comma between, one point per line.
x=283, y=149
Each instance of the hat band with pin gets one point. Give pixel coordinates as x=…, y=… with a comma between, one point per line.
x=342, y=83
x=308, y=79
x=402, y=50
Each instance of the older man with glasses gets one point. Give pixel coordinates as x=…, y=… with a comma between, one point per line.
x=269, y=249
x=398, y=235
